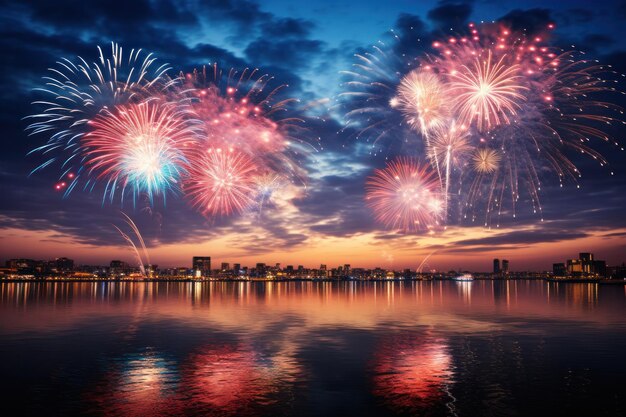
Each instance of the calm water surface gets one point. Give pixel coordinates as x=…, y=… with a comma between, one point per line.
x=485, y=348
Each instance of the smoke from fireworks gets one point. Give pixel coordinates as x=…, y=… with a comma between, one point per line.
x=405, y=196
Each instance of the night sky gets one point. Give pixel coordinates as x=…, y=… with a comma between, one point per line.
x=305, y=45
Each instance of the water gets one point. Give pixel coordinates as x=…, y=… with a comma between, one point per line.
x=485, y=348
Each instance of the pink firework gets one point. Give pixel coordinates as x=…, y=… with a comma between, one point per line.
x=221, y=182
x=487, y=91
x=139, y=147
x=490, y=73
x=241, y=111
x=406, y=196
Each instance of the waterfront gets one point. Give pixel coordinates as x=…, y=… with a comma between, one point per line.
x=437, y=348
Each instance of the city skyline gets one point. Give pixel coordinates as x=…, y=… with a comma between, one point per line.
x=205, y=266
x=325, y=218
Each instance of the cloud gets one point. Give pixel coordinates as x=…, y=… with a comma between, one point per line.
x=450, y=15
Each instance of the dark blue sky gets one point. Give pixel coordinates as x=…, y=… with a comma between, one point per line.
x=304, y=44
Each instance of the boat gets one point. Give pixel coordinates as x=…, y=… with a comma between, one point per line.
x=463, y=277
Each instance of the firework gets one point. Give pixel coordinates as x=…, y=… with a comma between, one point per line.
x=486, y=160
x=405, y=195
x=424, y=100
x=487, y=91
x=243, y=111
x=77, y=91
x=221, y=182
x=139, y=147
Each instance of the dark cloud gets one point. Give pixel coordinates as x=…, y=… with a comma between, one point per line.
x=575, y=16
x=287, y=27
x=531, y=21
x=450, y=15
x=290, y=53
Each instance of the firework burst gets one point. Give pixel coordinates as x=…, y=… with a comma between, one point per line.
x=406, y=196
x=78, y=90
x=221, y=182
x=485, y=160
x=424, y=100
x=242, y=111
x=488, y=91
x=139, y=147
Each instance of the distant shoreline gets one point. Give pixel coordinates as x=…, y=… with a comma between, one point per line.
x=157, y=280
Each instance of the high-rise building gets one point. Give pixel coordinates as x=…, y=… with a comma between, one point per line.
x=201, y=266
x=236, y=268
x=496, y=266
x=505, y=266
x=225, y=266
x=322, y=267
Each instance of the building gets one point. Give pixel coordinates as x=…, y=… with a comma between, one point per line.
x=225, y=266
x=616, y=272
x=201, y=266
x=585, y=266
x=505, y=266
x=574, y=267
x=236, y=268
x=117, y=267
x=21, y=266
x=64, y=264
x=559, y=269
x=599, y=268
x=586, y=261
x=496, y=266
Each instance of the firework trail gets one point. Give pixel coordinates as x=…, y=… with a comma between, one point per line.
x=76, y=91
x=447, y=148
x=405, y=196
x=221, y=182
x=133, y=246
x=140, y=147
